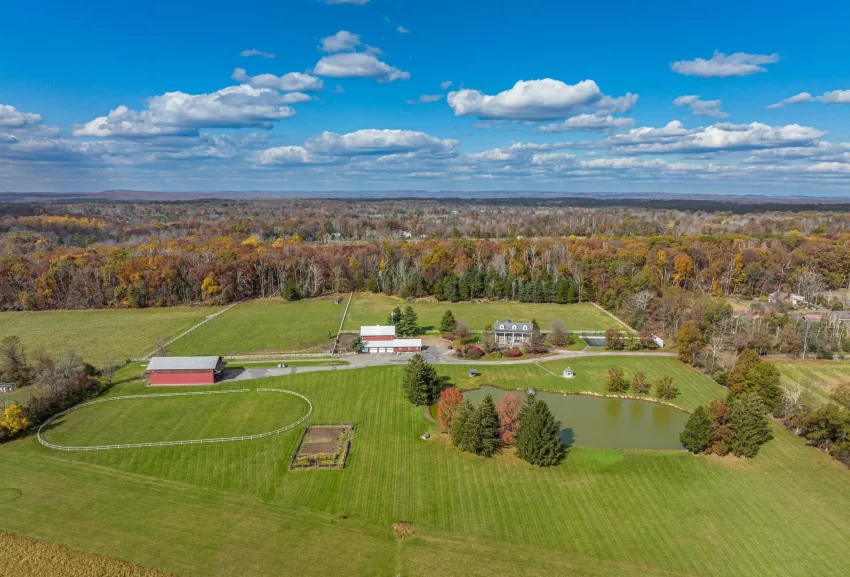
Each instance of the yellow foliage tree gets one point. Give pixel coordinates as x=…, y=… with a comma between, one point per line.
x=210, y=286
x=14, y=420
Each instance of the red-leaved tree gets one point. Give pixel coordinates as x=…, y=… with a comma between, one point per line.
x=450, y=400
x=508, y=409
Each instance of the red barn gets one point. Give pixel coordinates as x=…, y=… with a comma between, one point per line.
x=175, y=371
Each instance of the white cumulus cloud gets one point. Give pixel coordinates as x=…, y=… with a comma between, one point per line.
x=724, y=65
x=342, y=41
x=589, y=122
x=545, y=99
x=701, y=107
x=255, y=52
x=291, y=82
x=14, y=118
x=358, y=65
x=675, y=138
x=831, y=97
x=374, y=141
x=426, y=98
x=178, y=113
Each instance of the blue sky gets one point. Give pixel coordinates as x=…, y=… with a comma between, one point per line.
x=354, y=95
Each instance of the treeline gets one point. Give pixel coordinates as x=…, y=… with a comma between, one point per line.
x=56, y=382
x=630, y=275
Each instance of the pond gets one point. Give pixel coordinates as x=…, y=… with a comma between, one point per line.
x=607, y=422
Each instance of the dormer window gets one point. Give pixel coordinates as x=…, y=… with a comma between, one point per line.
x=514, y=327
x=525, y=327
x=501, y=326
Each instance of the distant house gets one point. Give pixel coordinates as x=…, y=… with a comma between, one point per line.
x=510, y=332
x=813, y=317
x=658, y=341
x=839, y=317
x=777, y=297
x=780, y=297
x=797, y=300
x=382, y=339
x=176, y=371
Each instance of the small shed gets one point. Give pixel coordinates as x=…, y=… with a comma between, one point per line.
x=473, y=372
x=568, y=373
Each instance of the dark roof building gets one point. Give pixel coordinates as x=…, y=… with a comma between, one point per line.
x=510, y=332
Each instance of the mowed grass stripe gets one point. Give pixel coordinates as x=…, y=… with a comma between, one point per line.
x=646, y=511
x=266, y=326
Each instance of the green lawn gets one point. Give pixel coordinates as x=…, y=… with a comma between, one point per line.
x=101, y=334
x=818, y=376
x=371, y=309
x=235, y=508
x=695, y=388
x=266, y=326
x=179, y=418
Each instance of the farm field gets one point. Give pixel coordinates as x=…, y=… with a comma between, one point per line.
x=372, y=309
x=695, y=388
x=101, y=334
x=198, y=510
x=818, y=376
x=266, y=326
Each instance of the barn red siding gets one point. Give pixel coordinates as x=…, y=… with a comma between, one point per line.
x=182, y=378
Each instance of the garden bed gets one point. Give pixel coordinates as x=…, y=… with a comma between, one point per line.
x=323, y=447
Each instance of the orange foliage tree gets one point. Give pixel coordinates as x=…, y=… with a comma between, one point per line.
x=450, y=400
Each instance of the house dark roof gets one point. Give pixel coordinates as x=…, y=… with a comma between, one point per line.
x=513, y=327
x=839, y=316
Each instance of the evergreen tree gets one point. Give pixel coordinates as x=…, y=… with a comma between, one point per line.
x=697, y=433
x=407, y=325
x=420, y=383
x=463, y=414
x=539, y=436
x=488, y=427
x=395, y=317
x=447, y=323
x=749, y=424
x=470, y=435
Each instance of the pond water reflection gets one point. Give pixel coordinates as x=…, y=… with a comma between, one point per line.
x=607, y=422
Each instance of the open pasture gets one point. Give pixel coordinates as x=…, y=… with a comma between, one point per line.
x=154, y=419
x=372, y=309
x=101, y=335
x=267, y=326
x=817, y=376
x=175, y=508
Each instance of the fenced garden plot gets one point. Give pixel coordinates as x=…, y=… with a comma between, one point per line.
x=323, y=447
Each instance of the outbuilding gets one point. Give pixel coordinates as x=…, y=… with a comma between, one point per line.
x=382, y=339
x=177, y=371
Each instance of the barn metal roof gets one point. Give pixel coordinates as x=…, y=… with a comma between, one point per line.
x=377, y=331
x=183, y=363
